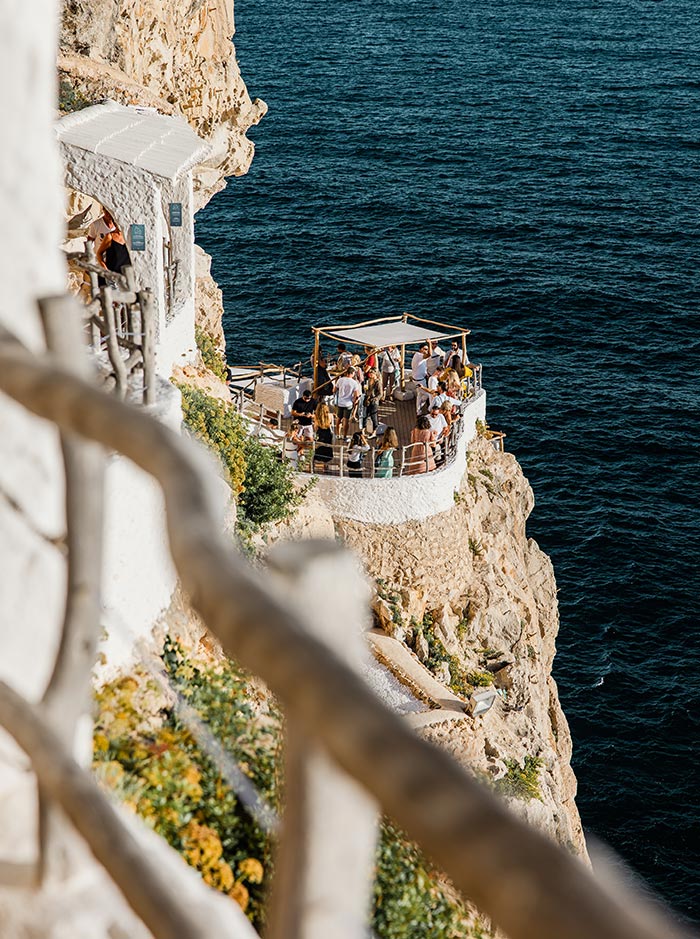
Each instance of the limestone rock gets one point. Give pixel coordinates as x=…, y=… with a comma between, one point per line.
x=422, y=650
x=178, y=58
x=504, y=602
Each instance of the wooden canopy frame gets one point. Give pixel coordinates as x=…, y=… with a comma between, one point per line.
x=332, y=333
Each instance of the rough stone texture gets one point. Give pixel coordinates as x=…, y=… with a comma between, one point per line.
x=176, y=57
x=208, y=299
x=492, y=595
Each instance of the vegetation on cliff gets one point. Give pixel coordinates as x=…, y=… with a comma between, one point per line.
x=146, y=753
x=261, y=481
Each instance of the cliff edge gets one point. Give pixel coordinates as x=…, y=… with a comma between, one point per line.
x=476, y=601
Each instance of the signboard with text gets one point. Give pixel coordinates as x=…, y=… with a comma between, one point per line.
x=137, y=237
x=175, y=212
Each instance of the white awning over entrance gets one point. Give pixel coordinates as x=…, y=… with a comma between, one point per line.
x=157, y=143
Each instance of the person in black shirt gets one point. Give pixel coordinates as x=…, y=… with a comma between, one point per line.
x=303, y=410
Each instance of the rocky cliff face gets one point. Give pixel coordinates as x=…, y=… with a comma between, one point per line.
x=489, y=596
x=487, y=589
x=176, y=57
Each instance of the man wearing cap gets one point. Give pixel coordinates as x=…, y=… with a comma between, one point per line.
x=303, y=410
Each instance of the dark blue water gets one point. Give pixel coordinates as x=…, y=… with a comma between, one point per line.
x=531, y=170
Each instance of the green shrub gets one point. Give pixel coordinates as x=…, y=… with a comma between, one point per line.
x=261, y=480
x=521, y=782
x=159, y=770
x=269, y=494
x=408, y=901
x=217, y=425
x=71, y=98
x=479, y=679
x=211, y=355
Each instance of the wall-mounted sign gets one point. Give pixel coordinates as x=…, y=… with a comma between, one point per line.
x=175, y=212
x=137, y=237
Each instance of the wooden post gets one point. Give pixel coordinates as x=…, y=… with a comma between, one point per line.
x=325, y=860
x=401, y=366
x=148, y=345
x=67, y=698
x=113, y=342
x=464, y=349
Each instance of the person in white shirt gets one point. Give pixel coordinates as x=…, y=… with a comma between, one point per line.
x=419, y=372
x=435, y=359
x=100, y=228
x=437, y=421
x=391, y=366
x=347, y=394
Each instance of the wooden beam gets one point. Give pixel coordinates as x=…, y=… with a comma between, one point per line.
x=527, y=884
x=325, y=859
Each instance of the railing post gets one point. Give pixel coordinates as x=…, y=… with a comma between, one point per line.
x=325, y=860
x=342, y=460
x=112, y=341
x=372, y=454
x=148, y=345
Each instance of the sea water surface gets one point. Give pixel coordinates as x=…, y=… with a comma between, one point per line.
x=530, y=169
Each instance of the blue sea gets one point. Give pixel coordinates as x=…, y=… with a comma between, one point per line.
x=530, y=169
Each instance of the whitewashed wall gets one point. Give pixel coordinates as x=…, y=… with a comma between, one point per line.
x=135, y=196
x=391, y=501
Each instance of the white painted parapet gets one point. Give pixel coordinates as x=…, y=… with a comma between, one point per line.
x=403, y=498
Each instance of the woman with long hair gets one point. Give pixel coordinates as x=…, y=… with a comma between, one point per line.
x=373, y=395
x=323, y=453
x=384, y=461
x=421, y=457
x=358, y=448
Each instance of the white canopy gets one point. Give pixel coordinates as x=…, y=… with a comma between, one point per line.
x=392, y=332
x=157, y=143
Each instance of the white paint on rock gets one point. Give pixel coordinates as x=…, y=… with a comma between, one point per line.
x=401, y=499
x=392, y=692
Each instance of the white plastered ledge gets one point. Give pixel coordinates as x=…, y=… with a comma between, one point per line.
x=404, y=498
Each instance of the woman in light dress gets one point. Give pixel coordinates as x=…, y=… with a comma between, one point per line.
x=421, y=458
x=390, y=370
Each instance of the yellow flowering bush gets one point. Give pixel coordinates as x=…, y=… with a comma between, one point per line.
x=217, y=425
x=150, y=760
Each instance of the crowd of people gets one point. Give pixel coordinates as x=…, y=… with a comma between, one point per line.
x=347, y=393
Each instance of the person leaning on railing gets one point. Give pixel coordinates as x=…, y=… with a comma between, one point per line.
x=421, y=458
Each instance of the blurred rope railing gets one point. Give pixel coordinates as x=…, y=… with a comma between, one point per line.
x=527, y=885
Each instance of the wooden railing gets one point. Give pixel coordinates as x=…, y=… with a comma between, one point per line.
x=120, y=322
x=339, y=732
